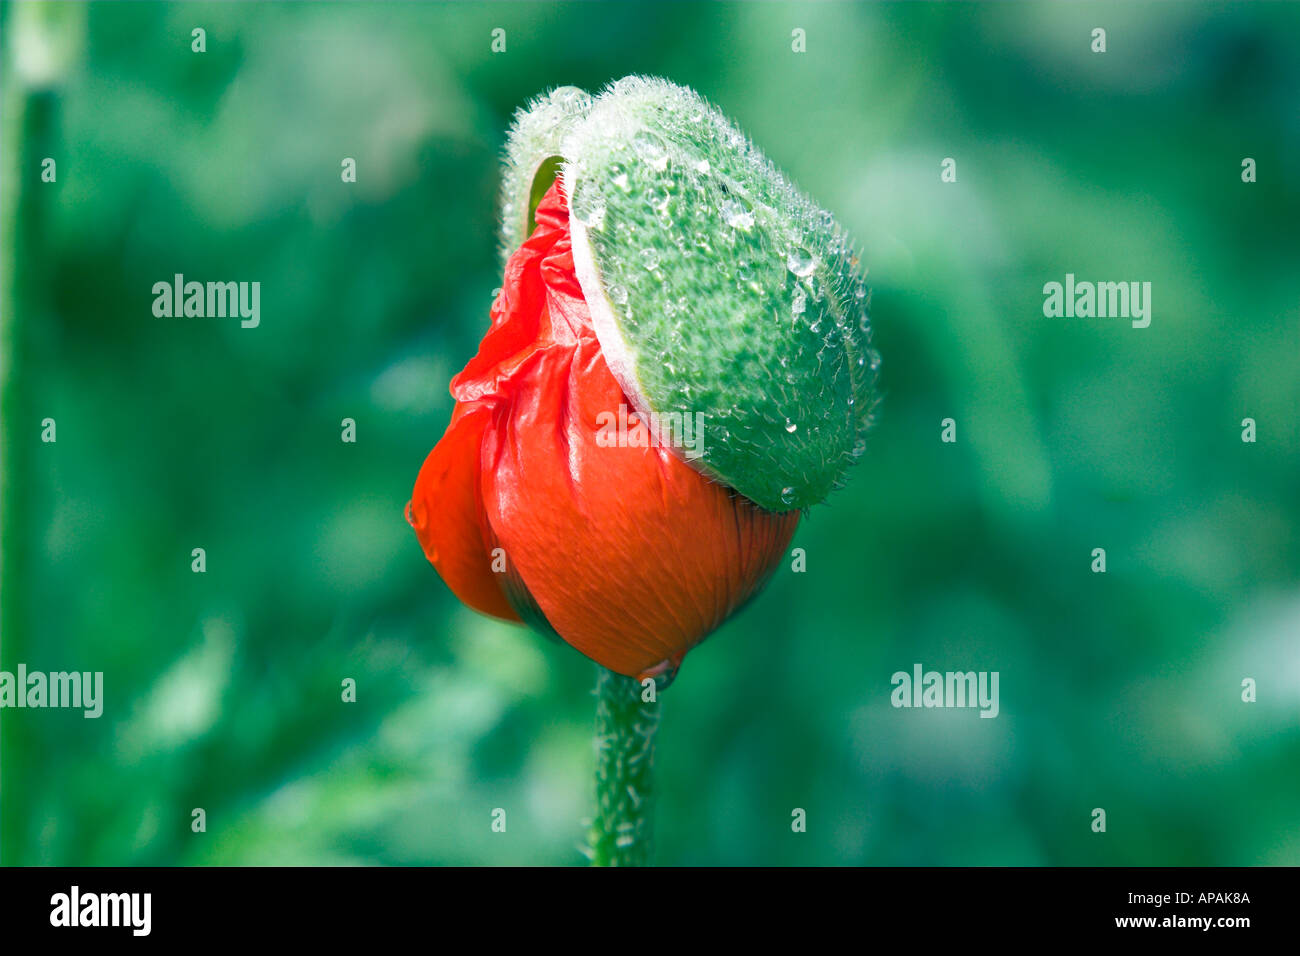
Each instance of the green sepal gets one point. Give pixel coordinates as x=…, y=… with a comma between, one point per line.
x=716, y=288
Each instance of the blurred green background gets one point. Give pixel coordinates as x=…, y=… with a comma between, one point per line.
x=1120, y=691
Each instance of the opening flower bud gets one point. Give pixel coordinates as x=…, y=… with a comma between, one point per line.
x=678, y=362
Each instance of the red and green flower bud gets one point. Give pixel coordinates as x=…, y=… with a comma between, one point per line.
x=673, y=270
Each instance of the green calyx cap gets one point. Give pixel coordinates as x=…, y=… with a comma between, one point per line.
x=730, y=307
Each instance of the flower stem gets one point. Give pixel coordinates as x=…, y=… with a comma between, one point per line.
x=622, y=831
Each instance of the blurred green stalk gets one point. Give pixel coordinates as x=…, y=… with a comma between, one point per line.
x=41, y=41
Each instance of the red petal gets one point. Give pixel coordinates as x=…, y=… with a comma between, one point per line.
x=630, y=553
x=446, y=511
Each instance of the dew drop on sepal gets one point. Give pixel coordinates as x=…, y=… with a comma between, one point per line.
x=651, y=151
x=736, y=213
x=800, y=261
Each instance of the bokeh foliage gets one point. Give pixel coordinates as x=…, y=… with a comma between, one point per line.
x=1119, y=691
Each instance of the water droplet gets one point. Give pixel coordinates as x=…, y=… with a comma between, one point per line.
x=736, y=214
x=791, y=427
x=618, y=295
x=800, y=300
x=787, y=495
x=659, y=197
x=859, y=447
x=864, y=322
x=570, y=96
x=703, y=167
x=651, y=152
x=800, y=261
x=860, y=292
x=618, y=174
x=589, y=210
x=650, y=259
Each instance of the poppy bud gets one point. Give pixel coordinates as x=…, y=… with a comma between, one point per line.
x=669, y=277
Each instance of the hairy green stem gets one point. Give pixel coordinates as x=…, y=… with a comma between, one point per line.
x=623, y=828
